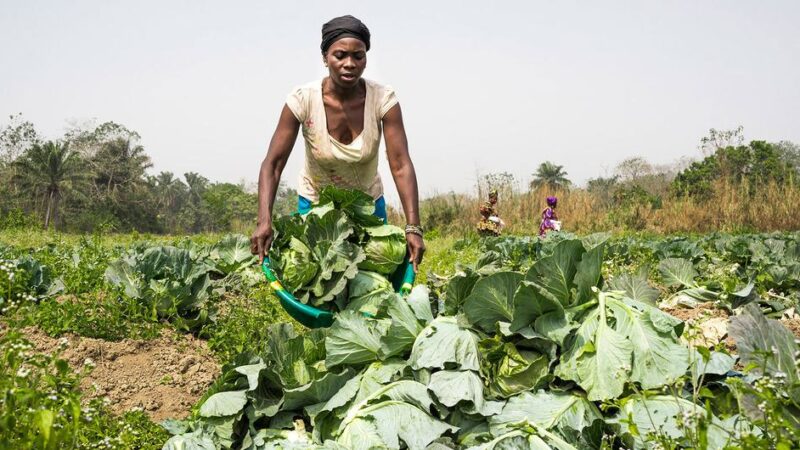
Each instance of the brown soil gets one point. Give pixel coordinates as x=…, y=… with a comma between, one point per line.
x=793, y=325
x=703, y=311
x=164, y=376
x=707, y=312
x=712, y=322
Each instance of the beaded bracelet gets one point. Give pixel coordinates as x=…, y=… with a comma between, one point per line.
x=414, y=229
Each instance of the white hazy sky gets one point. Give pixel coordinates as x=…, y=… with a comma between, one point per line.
x=485, y=86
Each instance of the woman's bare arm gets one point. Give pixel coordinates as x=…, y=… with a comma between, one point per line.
x=280, y=147
x=405, y=177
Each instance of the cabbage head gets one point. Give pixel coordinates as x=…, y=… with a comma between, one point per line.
x=368, y=291
x=385, y=249
x=297, y=266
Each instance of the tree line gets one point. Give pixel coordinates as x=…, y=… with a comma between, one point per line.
x=97, y=178
x=727, y=158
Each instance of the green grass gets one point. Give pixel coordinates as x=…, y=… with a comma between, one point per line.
x=444, y=254
x=243, y=323
x=96, y=315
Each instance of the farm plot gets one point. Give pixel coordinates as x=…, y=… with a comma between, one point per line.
x=565, y=342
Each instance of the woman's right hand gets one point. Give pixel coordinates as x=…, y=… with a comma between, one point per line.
x=261, y=240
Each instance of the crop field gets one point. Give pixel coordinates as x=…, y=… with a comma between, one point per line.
x=565, y=342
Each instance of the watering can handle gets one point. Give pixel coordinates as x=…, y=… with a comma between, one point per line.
x=408, y=279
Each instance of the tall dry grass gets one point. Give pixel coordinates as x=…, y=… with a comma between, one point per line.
x=731, y=208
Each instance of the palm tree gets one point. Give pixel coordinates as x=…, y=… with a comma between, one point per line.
x=169, y=190
x=550, y=175
x=197, y=186
x=50, y=169
x=119, y=168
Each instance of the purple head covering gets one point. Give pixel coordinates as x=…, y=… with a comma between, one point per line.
x=552, y=201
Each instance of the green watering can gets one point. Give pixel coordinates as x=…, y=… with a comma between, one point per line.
x=402, y=281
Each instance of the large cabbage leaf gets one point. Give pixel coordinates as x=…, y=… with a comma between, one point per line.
x=445, y=343
x=292, y=358
x=404, y=328
x=385, y=424
x=642, y=415
x=767, y=345
x=369, y=292
x=509, y=370
x=354, y=339
x=640, y=344
x=492, y=300
x=635, y=286
x=385, y=249
x=296, y=266
x=556, y=273
x=463, y=388
x=232, y=253
x=358, y=206
x=548, y=410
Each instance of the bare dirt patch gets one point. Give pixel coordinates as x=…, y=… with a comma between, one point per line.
x=712, y=323
x=701, y=312
x=707, y=325
x=793, y=325
x=163, y=376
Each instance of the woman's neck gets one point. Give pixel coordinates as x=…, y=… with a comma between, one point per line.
x=340, y=92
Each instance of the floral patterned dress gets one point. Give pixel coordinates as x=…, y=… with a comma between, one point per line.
x=485, y=226
x=548, y=216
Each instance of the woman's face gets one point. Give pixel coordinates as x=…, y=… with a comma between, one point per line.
x=346, y=60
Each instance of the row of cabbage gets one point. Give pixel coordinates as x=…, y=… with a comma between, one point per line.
x=181, y=283
x=724, y=268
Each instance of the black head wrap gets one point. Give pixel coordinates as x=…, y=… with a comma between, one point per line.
x=342, y=27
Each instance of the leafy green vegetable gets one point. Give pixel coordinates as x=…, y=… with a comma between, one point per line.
x=492, y=300
x=296, y=266
x=641, y=345
x=767, y=344
x=175, y=285
x=354, y=339
x=385, y=249
x=548, y=410
x=453, y=387
x=387, y=423
x=556, y=273
x=677, y=272
x=223, y=404
x=358, y=206
x=369, y=292
x=404, y=328
x=232, y=254
x=661, y=415
x=445, y=343
x=635, y=286
x=511, y=370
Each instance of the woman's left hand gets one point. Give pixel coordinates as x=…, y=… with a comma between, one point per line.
x=416, y=248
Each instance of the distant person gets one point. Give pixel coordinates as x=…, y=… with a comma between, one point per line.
x=341, y=117
x=549, y=217
x=490, y=223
